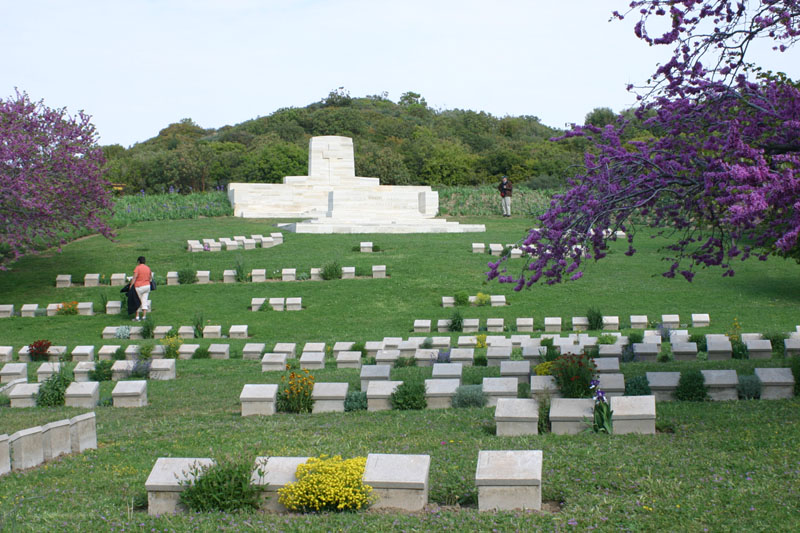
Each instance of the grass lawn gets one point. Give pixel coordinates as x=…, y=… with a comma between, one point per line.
x=717, y=466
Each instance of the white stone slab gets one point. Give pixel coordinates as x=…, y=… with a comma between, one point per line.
x=552, y=324
x=253, y=350
x=84, y=394
x=26, y=448
x=348, y=359
x=509, y=480
x=238, y=331
x=289, y=348
x=570, y=416
x=398, y=481
x=721, y=384
x=378, y=393
x=633, y=414
x=516, y=416
x=329, y=397
x=439, y=392
x=56, y=439
x=12, y=371
x=130, y=393
x=24, y=395
x=312, y=360
x=700, y=320
x=272, y=474
x=167, y=480
x=83, y=432
x=776, y=383
x=671, y=321
x=495, y=388
x=259, y=399
x=638, y=321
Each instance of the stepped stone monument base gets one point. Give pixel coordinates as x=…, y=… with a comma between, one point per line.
x=335, y=200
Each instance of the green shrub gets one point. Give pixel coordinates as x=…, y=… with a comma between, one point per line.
x=749, y=387
x=5, y=401
x=637, y=386
x=665, y=355
x=794, y=364
x=591, y=351
x=427, y=343
x=327, y=484
x=461, y=298
x=573, y=374
x=456, y=321
x=146, y=351
x=404, y=362
x=482, y=299
x=38, y=350
x=409, y=395
x=171, y=343
x=147, y=326
x=480, y=360
x=443, y=356
x=523, y=390
x=355, y=400
x=469, y=396
x=123, y=332
x=636, y=336
x=691, y=387
x=119, y=354
x=224, y=486
x=201, y=353
x=101, y=372
x=187, y=276
x=241, y=270
x=360, y=346
x=700, y=340
x=738, y=350
x=198, y=323
x=595, y=318
x=776, y=338
x=332, y=270
x=544, y=369
x=606, y=338
x=51, y=391
x=544, y=414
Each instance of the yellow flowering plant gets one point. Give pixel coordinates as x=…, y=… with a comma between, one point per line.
x=327, y=484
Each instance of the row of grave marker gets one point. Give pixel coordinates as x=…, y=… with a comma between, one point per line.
x=506, y=480
x=31, y=447
x=238, y=242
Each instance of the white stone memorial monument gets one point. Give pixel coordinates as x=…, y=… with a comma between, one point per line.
x=337, y=201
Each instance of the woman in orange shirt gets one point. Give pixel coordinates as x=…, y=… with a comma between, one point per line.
x=141, y=283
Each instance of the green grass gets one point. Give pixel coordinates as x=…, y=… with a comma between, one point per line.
x=727, y=466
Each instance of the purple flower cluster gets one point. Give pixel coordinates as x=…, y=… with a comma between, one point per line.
x=710, y=159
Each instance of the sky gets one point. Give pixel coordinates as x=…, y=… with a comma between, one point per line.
x=136, y=66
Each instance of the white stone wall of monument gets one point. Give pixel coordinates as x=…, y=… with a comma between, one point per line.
x=339, y=201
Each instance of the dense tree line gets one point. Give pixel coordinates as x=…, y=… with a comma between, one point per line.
x=407, y=142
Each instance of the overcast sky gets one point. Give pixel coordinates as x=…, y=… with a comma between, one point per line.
x=137, y=66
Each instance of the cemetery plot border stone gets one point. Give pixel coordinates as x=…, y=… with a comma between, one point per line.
x=467, y=341
x=294, y=304
x=379, y=391
x=83, y=432
x=289, y=348
x=372, y=347
x=700, y=320
x=172, y=278
x=470, y=325
x=259, y=399
x=392, y=342
x=91, y=280
x=371, y=373
x=580, y=323
x=495, y=325
x=638, y=321
x=130, y=394
x=719, y=349
x=447, y=371
x=228, y=276
x=378, y=271
x=520, y=370
x=552, y=324
x=613, y=384
x=277, y=472
x=212, y=332
x=5, y=455
x=52, y=309
x=219, y=351
x=312, y=361
x=607, y=365
x=238, y=331
x=160, y=332
x=56, y=439
x=422, y=326
x=273, y=362
x=426, y=356
x=348, y=359
x=329, y=397
x=109, y=332
x=525, y=324
x=671, y=321
x=509, y=480
x=759, y=349
x=84, y=394
x=495, y=388
x=791, y=347
x=516, y=416
x=314, y=347
x=634, y=414
x=29, y=310
x=12, y=371
x=386, y=357
x=6, y=311
x=448, y=301
x=277, y=304
x=611, y=323
x=605, y=351
x=117, y=279
x=114, y=307
x=163, y=369
x=165, y=483
x=27, y=449
x=439, y=392
x=464, y=356
x=63, y=281
x=663, y=384
x=253, y=350
x=24, y=395
x=721, y=384
x=203, y=277
x=107, y=351
x=288, y=274
x=497, y=300
x=646, y=352
x=443, y=325
x=257, y=303
x=258, y=275
x=398, y=481
x=495, y=355
x=570, y=416
x=776, y=383
x=365, y=247
x=478, y=248
x=543, y=387
x=81, y=371
x=684, y=351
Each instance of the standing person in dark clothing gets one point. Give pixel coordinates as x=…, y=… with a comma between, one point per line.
x=506, y=188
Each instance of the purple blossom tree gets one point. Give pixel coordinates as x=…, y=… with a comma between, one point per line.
x=720, y=174
x=51, y=182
